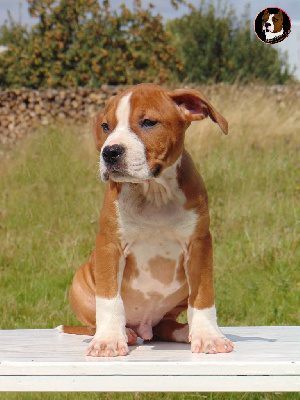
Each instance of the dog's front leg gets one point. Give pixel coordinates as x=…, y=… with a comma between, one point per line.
x=204, y=333
x=110, y=339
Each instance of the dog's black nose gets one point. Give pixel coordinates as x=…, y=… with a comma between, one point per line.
x=267, y=24
x=112, y=154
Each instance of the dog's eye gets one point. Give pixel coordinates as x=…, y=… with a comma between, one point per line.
x=105, y=127
x=275, y=19
x=265, y=20
x=148, y=123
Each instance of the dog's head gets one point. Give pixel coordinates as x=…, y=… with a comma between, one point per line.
x=141, y=131
x=272, y=22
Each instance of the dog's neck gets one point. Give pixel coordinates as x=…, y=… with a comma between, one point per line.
x=272, y=35
x=160, y=191
x=156, y=192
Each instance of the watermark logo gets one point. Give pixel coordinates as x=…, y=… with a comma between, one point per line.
x=272, y=25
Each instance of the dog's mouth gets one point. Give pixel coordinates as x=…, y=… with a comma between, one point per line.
x=114, y=173
x=121, y=177
x=120, y=174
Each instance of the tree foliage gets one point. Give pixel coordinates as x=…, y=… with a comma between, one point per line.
x=85, y=43
x=215, y=45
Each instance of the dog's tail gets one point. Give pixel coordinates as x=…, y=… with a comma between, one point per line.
x=77, y=330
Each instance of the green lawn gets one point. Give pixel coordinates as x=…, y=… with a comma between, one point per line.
x=50, y=200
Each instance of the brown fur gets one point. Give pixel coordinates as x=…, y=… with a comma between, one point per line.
x=101, y=275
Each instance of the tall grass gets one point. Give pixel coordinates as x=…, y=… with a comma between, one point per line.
x=252, y=177
x=50, y=200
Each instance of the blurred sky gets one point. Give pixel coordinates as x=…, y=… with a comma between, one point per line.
x=291, y=7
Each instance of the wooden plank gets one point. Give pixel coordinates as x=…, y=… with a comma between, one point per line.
x=149, y=384
x=32, y=359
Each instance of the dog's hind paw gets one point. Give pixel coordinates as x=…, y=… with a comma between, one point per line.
x=131, y=336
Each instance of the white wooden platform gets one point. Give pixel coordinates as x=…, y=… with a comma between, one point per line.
x=265, y=359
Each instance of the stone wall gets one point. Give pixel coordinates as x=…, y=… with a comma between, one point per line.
x=23, y=110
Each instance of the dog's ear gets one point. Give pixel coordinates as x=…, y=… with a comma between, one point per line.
x=266, y=13
x=194, y=107
x=97, y=129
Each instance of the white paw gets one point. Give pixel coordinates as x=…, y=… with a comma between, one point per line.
x=205, y=335
x=201, y=343
x=107, y=347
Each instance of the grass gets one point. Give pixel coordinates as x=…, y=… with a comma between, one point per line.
x=150, y=396
x=50, y=200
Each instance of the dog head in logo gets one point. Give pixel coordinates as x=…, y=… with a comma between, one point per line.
x=272, y=25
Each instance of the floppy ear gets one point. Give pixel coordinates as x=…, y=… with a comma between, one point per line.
x=194, y=106
x=97, y=129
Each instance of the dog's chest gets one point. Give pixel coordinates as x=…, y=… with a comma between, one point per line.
x=150, y=227
x=154, y=240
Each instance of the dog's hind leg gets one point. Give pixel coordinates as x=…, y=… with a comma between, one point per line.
x=169, y=330
x=82, y=300
x=86, y=330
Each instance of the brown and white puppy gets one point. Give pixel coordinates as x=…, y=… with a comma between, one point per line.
x=153, y=257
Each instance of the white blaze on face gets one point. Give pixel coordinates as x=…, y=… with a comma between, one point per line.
x=270, y=20
x=135, y=164
x=270, y=28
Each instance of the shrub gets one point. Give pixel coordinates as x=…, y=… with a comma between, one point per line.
x=84, y=43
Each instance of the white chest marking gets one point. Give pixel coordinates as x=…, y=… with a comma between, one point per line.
x=156, y=229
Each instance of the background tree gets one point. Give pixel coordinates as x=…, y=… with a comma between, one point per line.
x=85, y=43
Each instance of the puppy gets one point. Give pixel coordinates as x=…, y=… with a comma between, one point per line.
x=153, y=256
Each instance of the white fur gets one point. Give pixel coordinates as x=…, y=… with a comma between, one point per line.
x=110, y=313
x=110, y=318
x=270, y=21
x=161, y=190
x=167, y=235
x=181, y=334
x=136, y=167
x=203, y=322
x=60, y=328
x=271, y=35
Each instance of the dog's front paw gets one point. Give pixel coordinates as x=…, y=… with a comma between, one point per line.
x=107, y=347
x=205, y=335
x=201, y=343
